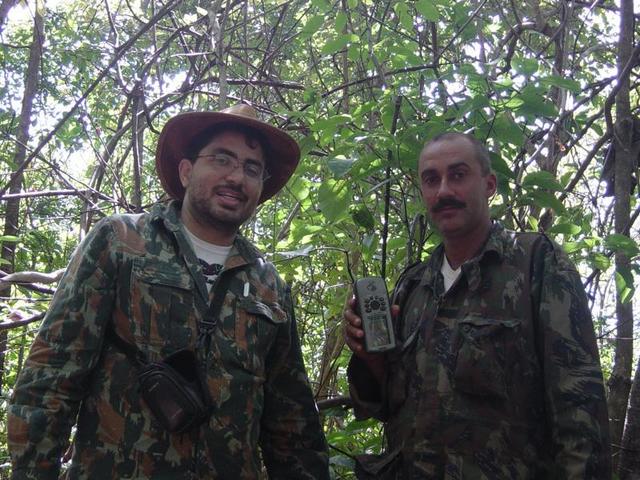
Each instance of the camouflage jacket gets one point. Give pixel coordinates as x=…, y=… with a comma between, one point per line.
x=138, y=275
x=498, y=378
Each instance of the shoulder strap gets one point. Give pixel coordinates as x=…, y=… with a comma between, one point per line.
x=531, y=243
x=132, y=352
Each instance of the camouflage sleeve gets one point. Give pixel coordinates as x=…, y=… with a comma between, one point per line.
x=574, y=391
x=292, y=441
x=47, y=395
x=365, y=391
x=368, y=395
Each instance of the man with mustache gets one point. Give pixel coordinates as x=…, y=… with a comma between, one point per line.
x=496, y=374
x=171, y=343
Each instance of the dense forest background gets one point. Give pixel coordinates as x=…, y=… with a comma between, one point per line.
x=550, y=85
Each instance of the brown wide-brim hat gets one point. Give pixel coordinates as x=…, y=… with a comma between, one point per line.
x=282, y=152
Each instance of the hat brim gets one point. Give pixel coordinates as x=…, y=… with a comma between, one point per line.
x=282, y=156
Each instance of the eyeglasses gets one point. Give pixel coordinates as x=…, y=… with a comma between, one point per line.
x=226, y=164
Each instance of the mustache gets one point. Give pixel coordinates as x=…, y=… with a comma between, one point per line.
x=447, y=203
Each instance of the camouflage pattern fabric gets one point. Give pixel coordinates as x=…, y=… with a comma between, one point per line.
x=138, y=274
x=499, y=378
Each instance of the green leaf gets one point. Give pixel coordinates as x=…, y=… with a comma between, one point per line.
x=406, y=19
x=514, y=102
x=548, y=200
x=535, y=104
x=428, y=10
x=599, y=261
x=500, y=167
x=571, y=247
x=624, y=285
x=363, y=218
x=562, y=82
x=9, y=238
x=542, y=179
x=623, y=244
x=565, y=229
x=322, y=5
x=341, y=22
x=525, y=66
x=312, y=26
x=334, y=200
x=330, y=122
x=353, y=52
x=506, y=130
x=337, y=44
x=340, y=165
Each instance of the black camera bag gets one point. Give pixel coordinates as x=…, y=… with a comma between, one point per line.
x=172, y=390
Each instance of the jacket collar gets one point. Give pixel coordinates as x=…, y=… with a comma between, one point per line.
x=242, y=251
x=169, y=215
x=493, y=248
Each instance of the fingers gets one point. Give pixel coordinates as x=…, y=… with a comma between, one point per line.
x=354, y=335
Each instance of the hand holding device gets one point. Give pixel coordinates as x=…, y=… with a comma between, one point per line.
x=374, y=310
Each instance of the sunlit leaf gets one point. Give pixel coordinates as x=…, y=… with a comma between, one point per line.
x=562, y=82
x=546, y=199
x=340, y=165
x=333, y=200
x=565, y=229
x=599, y=261
x=624, y=285
x=9, y=238
x=341, y=22
x=542, y=179
x=621, y=243
x=312, y=25
x=428, y=10
x=507, y=130
x=339, y=43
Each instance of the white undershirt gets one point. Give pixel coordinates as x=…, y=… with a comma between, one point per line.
x=210, y=255
x=449, y=274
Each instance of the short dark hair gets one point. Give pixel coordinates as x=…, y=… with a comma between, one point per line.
x=205, y=137
x=480, y=150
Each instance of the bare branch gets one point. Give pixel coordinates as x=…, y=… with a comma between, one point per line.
x=31, y=277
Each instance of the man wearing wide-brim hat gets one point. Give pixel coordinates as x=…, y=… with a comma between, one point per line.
x=171, y=344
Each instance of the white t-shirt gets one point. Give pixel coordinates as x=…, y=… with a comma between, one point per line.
x=450, y=275
x=210, y=255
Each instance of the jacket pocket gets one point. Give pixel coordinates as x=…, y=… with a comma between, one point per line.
x=254, y=331
x=162, y=306
x=483, y=351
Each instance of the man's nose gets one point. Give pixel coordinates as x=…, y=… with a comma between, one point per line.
x=444, y=189
x=236, y=174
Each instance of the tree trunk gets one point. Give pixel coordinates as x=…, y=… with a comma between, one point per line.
x=629, y=468
x=22, y=137
x=620, y=380
x=137, y=132
x=5, y=6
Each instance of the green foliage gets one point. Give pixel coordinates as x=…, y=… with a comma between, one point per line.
x=521, y=77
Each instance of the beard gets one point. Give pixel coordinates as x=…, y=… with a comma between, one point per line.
x=209, y=213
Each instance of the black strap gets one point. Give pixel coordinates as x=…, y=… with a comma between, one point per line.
x=205, y=327
x=132, y=352
x=209, y=322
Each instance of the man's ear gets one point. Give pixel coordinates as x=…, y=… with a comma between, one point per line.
x=492, y=184
x=184, y=170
